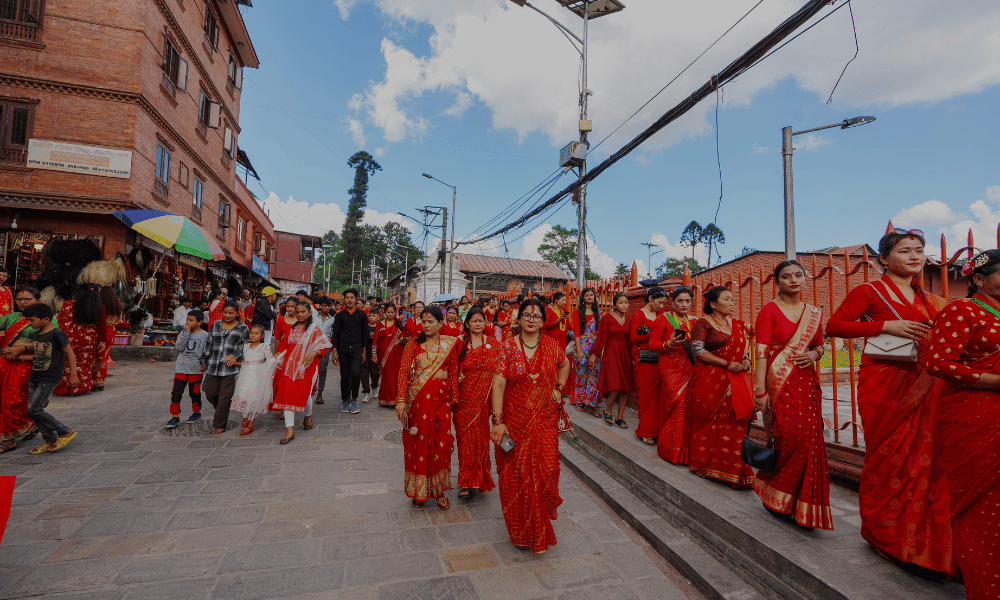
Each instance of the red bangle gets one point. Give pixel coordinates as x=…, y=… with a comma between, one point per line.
x=760, y=395
x=497, y=420
x=560, y=387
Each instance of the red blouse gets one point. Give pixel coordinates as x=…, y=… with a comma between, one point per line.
x=964, y=332
x=638, y=320
x=864, y=301
x=774, y=327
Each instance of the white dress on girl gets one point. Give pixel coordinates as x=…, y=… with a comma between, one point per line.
x=254, y=383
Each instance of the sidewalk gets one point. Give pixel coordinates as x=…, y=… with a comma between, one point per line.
x=128, y=512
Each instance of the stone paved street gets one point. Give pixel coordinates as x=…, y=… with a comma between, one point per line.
x=127, y=511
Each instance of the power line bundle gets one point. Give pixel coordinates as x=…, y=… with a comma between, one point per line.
x=749, y=59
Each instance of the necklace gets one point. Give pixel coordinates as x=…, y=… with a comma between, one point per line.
x=718, y=325
x=525, y=345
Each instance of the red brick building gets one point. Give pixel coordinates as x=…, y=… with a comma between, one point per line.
x=108, y=106
x=294, y=263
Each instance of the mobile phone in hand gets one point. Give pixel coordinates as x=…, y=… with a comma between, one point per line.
x=680, y=334
x=507, y=444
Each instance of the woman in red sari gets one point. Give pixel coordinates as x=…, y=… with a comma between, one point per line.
x=285, y=321
x=905, y=510
x=15, y=370
x=527, y=390
x=298, y=359
x=386, y=353
x=83, y=321
x=647, y=369
x=428, y=381
x=720, y=395
x=614, y=350
x=671, y=331
x=113, y=314
x=216, y=305
x=789, y=342
x=478, y=359
x=557, y=320
x=452, y=326
x=965, y=353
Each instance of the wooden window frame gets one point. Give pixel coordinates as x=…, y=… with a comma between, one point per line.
x=211, y=27
x=161, y=180
x=14, y=152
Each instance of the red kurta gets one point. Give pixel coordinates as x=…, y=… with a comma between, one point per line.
x=555, y=329
x=675, y=373
x=282, y=328
x=800, y=486
x=215, y=312
x=964, y=345
x=615, y=350
x=647, y=380
x=427, y=439
x=529, y=474
x=386, y=344
x=472, y=416
x=293, y=394
x=903, y=494
x=716, y=414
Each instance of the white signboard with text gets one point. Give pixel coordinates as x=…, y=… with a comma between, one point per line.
x=74, y=158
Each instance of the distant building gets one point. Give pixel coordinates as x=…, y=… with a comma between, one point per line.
x=294, y=263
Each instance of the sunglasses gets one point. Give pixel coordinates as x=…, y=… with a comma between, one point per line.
x=908, y=231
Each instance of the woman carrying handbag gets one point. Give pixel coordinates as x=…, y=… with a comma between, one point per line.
x=786, y=391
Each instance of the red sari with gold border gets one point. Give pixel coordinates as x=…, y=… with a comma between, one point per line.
x=904, y=501
x=428, y=450
x=965, y=344
x=676, y=370
x=800, y=486
x=720, y=405
x=386, y=345
x=472, y=415
x=529, y=474
x=14, y=376
x=84, y=340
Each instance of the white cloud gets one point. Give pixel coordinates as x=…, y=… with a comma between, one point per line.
x=463, y=100
x=759, y=149
x=932, y=212
x=983, y=226
x=513, y=61
x=992, y=193
x=345, y=6
x=811, y=141
x=304, y=218
x=643, y=159
x=380, y=151
x=601, y=263
x=357, y=131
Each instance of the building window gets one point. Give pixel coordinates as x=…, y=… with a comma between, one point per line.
x=16, y=122
x=183, y=174
x=209, y=113
x=175, y=68
x=228, y=142
x=241, y=229
x=235, y=74
x=223, y=218
x=199, y=190
x=21, y=20
x=211, y=28
x=162, y=172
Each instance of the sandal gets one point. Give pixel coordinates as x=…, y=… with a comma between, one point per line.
x=580, y=408
x=309, y=425
x=245, y=424
x=621, y=423
x=46, y=447
x=6, y=448
x=465, y=494
x=442, y=502
x=608, y=419
x=417, y=503
x=596, y=412
x=61, y=441
x=649, y=440
x=285, y=440
x=218, y=431
x=247, y=429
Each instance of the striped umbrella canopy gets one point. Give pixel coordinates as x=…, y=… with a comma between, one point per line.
x=173, y=231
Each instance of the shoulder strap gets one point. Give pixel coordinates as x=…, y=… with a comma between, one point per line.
x=886, y=302
x=985, y=306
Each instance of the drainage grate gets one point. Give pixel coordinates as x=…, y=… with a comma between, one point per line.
x=202, y=427
x=396, y=437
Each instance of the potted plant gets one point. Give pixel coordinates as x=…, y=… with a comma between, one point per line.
x=137, y=324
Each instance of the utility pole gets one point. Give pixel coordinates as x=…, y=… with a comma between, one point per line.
x=581, y=241
x=444, y=247
x=649, y=257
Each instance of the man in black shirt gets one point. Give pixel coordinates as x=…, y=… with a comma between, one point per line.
x=263, y=312
x=352, y=343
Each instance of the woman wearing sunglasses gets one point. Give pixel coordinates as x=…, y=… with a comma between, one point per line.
x=904, y=500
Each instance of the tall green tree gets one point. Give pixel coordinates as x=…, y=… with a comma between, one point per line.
x=712, y=235
x=674, y=267
x=692, y=235
x=559, y=247
x=351, y=235
x=621, y=269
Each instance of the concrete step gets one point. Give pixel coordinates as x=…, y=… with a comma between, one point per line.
x=723, y=540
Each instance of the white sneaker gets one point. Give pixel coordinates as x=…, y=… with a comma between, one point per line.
x=365, y=398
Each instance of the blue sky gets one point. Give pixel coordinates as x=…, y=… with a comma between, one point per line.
x=482, y=95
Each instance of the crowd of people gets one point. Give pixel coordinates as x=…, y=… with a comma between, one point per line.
x=467, y=375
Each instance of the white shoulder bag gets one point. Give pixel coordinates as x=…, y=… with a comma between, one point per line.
x=886, y=346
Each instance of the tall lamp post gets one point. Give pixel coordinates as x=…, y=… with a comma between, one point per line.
x=649, y=256
x=576, y=154
x=451, y=253
x=326, y=269
x=786, y=153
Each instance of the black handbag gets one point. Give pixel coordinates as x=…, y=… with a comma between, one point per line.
x=762, y=458
x=649, y=356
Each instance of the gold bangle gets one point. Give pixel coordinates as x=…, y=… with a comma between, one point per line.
x=497, y=420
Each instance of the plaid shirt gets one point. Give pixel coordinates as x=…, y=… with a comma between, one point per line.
x=221, y=343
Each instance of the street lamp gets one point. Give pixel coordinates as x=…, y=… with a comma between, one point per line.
x=649, y=256
x=451, y=255
x=575, y=155
x=326, y=270
x=786, y=152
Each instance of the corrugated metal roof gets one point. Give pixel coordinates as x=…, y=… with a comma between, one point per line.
x=474, y=263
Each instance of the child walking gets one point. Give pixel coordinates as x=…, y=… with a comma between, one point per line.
x=254, y=384
x=220, y=362
x=187, y=368
x=52, y=349
x=369, y=368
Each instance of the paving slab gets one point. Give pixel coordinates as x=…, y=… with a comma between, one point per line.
x=128, y=513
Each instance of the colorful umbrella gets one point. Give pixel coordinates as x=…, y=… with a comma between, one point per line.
x=173, y=231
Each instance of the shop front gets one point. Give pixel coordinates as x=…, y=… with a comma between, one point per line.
x=22, y=252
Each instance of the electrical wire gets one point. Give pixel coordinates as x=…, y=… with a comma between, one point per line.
x=857, y=49
x=748, y=59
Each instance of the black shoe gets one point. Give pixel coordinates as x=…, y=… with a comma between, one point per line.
x=194, y=418
x=172, y=423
